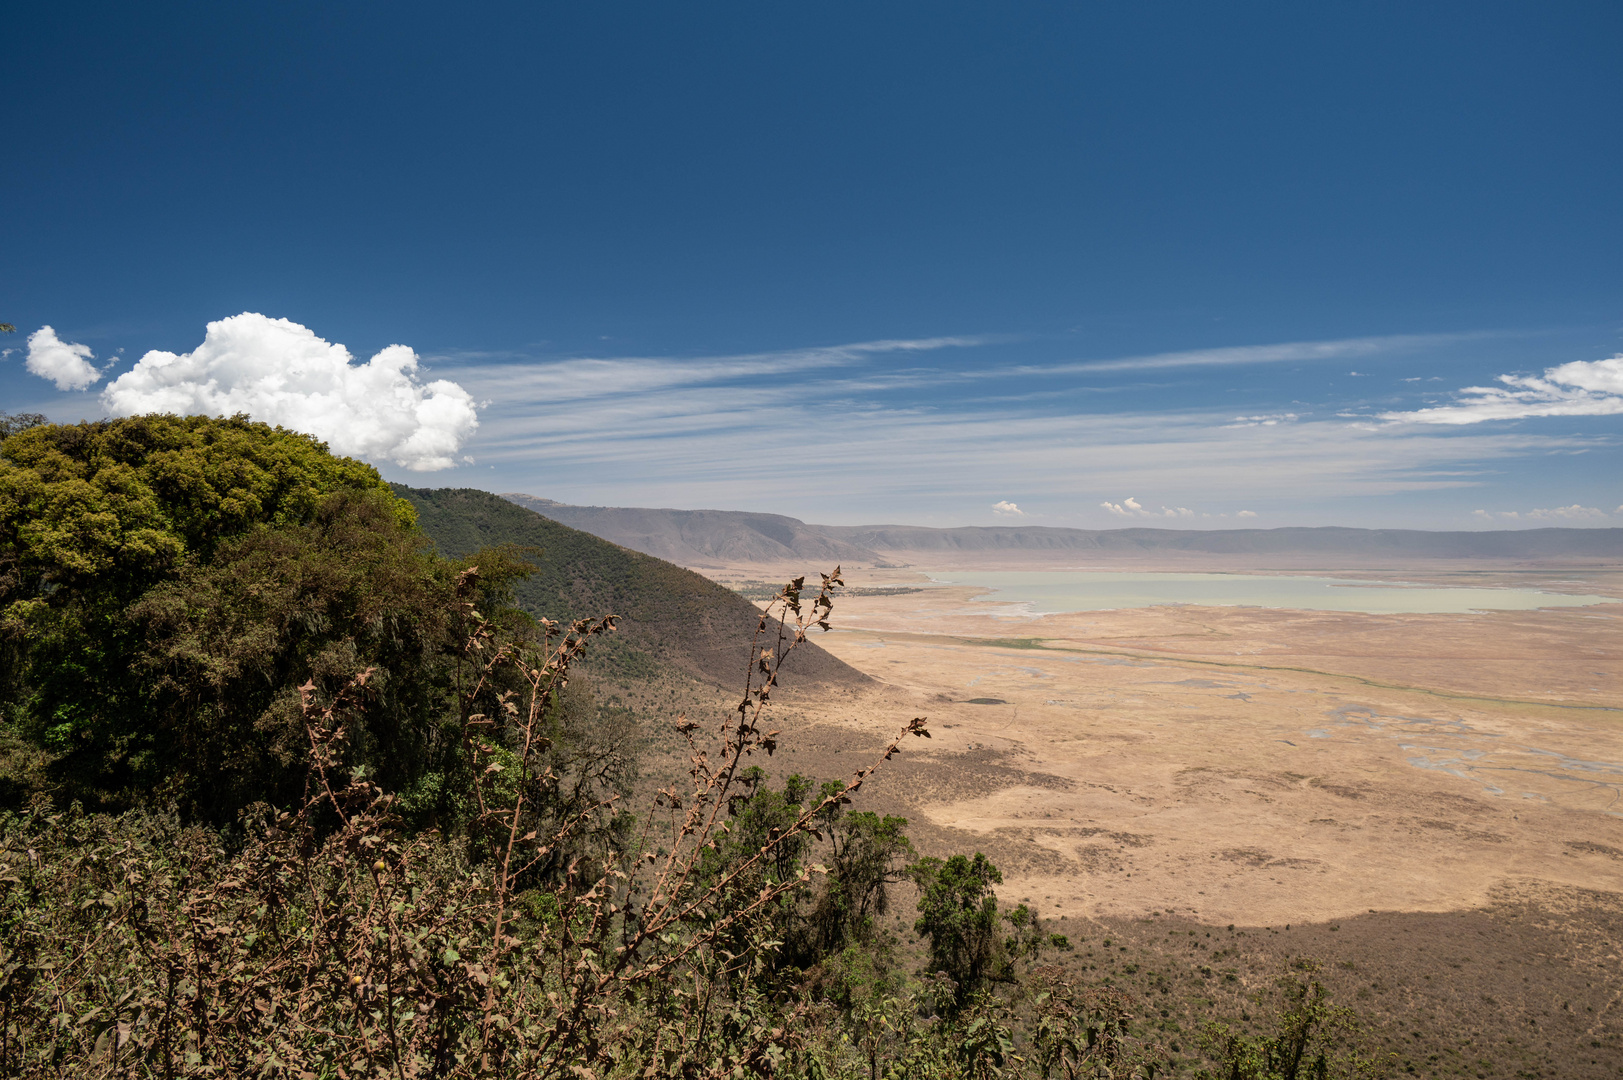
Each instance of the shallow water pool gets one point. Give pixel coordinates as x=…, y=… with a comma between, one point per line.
x=1054, y=591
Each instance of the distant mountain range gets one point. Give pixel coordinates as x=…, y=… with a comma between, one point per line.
x=729, y=537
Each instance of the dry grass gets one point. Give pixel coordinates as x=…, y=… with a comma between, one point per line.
x=1256, y=768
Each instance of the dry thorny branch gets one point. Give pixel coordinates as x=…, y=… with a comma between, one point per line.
x=330, y=942
x=639, y=920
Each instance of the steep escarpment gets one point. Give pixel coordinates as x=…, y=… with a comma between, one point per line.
x=669, y=616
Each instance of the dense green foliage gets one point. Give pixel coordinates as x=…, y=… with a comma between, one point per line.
x=958, y=913
x=111, y=507
x=228, y=643
x=137, y=946
x=168, y=584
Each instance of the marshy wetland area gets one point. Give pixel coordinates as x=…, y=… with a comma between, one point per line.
x=1428, y=802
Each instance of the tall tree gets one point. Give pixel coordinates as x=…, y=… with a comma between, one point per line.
x=120, y=627
x=958, y=913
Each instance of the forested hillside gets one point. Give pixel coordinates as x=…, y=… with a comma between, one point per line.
x=668, y=615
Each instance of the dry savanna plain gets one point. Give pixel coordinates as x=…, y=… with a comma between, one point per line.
x=1431, y=804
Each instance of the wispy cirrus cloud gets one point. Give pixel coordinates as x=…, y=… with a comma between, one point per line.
x=584, y=378
x=575, y=378
x=847, y=430
x=1241, y=355
x=689, y=436
x=1579, y=388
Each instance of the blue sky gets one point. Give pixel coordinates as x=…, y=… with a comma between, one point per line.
x=933, y=263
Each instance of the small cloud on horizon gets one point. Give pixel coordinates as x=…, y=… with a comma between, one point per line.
x=1575, y=512
x=1004, y=508
x=1266, y=420
x=1128, y=507
x=1131, y=507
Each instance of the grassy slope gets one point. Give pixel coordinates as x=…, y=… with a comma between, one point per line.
x=671, y=617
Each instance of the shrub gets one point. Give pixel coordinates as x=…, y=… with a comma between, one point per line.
x=331, y=938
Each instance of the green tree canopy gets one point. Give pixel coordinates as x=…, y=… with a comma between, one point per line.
x=227, y=644
x=958, y=913
x=113, y=506
x=166, y=585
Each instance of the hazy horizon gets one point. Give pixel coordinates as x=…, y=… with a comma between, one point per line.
x=1179, y=525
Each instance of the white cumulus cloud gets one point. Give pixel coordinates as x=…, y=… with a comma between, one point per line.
x=64, y=363
x=1580, y=388
x=280, y=372
x=1246, y=513
x=1129, y=507
x=1005, y=508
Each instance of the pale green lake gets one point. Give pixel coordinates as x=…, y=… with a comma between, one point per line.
x=1054, y=591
